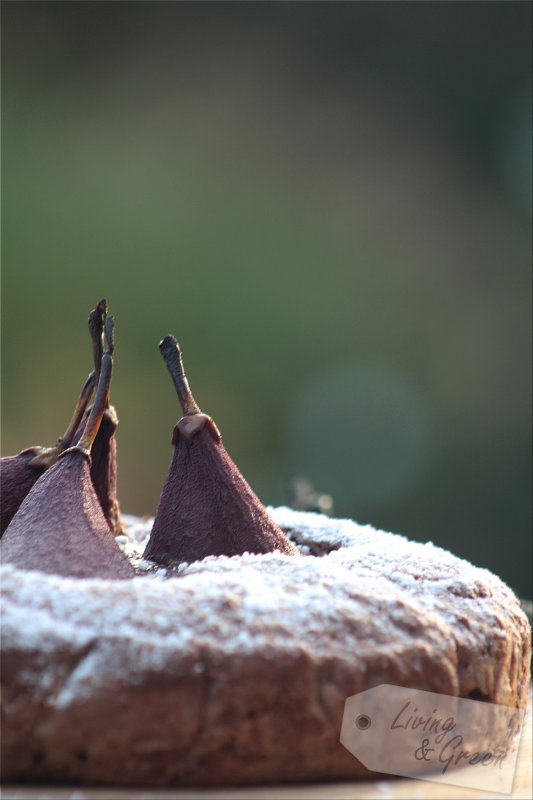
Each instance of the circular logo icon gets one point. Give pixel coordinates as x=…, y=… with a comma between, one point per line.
x=363, y=722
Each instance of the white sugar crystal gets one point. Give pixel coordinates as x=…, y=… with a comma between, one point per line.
x=143, y=566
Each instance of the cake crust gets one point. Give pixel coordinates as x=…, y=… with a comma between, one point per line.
x=235, y=670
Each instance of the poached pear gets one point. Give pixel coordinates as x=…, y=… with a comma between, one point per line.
x=206, y=506
x=60, y=527
x=19, y=473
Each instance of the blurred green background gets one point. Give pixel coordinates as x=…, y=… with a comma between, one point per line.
x=329, y=204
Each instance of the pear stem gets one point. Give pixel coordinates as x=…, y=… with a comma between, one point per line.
x=109, y=335
x=83, y=400
x=109, y=332
x=170, y=350
x=97, y=322
x=49, y=455
x=99, y=405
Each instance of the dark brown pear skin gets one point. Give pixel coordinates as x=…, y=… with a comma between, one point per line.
x=19, y=473
x=104, y=468
x=60, y=528
x=207, y=508
x=17, y=477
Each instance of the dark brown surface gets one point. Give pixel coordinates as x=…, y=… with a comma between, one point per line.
x=104, y=469
x=384, y=788
x=60, y=528
x=17, y=477
x=19, y=473
x=207, y=507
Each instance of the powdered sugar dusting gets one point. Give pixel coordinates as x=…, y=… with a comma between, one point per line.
x=368, y=591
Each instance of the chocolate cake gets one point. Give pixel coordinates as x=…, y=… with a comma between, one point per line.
x=235, y=670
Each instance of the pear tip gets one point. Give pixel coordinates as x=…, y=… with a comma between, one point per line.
x=168, y=343
x=98, y=314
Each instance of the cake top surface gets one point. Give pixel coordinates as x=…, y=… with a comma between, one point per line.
x=365, y=590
